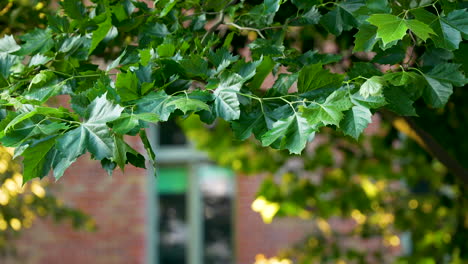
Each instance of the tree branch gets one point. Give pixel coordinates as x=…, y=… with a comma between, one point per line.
x=246, y=28
x=426, y=141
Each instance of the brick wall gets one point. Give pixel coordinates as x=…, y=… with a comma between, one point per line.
x=252, y=236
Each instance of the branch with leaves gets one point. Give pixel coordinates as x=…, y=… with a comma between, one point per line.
x=174, y=65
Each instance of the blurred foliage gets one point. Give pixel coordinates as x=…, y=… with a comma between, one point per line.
x=261, y=259
x=21, y=205
x=18, y=16
x=404, y=206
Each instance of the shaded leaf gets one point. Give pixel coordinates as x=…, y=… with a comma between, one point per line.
x=355, y=121
x=313, y=77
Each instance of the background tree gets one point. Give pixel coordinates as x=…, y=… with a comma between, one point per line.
x=335, y=64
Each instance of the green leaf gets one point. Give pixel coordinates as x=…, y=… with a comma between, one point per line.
x=100, y=33
x=440, y=81
x=399, y=101
x=356, y=120
x=42, y=77
x=46, y=111
x=125, y=123
x=226, y=103
x=156, y=102
x=314, y=77
x=36, y=162
x=120, y=152
x=372, y=87
x=401, y=78
x=116, y=62
x=186, y=104
x=265, y=47
x=393, y=55
x=93, y=135
x=168, y=5
x=39, y=59
x=363, y=69
x=271, y=6
x=378, y=6
x=102, y=110
x=73, y=8
x=221, y=59
x=6, y=63
x=303, y=4
x=195, y=66
x=366, y=38
x=369, y=102
x=329, y=112
x=282, y=85
x=257, y=122
x=389, y=27
x=148, y=117
x=447, y=35
x=37, y=41
x=127, y=86
x=310, y=17
x=338, y=20
x=292, y=133
x=458, y=19
x=147, y=145
x=166, y=50
x=8, y=44
x=419, y=28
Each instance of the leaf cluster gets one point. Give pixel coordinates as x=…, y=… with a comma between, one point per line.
x=183, y=57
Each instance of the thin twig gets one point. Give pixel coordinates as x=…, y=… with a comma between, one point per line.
x=215, y=26
x=245, y=28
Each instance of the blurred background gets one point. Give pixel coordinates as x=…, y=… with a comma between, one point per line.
x=382, y=199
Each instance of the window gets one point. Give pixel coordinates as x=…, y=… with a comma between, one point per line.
x=193, y=201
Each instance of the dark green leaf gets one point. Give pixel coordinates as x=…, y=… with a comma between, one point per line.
x=447, y=36
x=366, y=38
x=73, y=8
x=314, y=77
x=127, y=86
x=36, y=163
x=440, y=81
x=100, y=33
x=399, y=101
x=37, y=41
x=355, y=121
x=156, y=102
x=338, y=20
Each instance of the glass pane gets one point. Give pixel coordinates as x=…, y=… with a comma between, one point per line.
x=217, y=185
x=172, y=186
x=170, y=134
x=172, y=180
